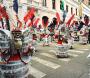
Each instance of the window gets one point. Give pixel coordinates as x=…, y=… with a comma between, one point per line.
x=53, y=4
x=61, y=5
x=66, y=8
x=76, y=11
x=88, y=2
x=71, y=10
x=44, y=3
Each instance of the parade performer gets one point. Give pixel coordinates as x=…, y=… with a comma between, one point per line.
x=15, y=53
x=45, y=23
x=15, y=49
x=61, y=48
x=56, y=36
x=46, y=40
x=51, y=28
x=33, y=40
x=70, y=40
x=60, y=37
x=41, y=34
x=83, y=35
x=60, y=40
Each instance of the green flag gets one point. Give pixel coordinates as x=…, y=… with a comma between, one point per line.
x=62, y=4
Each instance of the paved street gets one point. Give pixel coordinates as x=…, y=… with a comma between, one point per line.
x=45, y=64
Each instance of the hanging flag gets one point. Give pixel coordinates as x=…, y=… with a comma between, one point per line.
x=58, y=17
x=70, y=19
x=15, y=6
x=62, y=4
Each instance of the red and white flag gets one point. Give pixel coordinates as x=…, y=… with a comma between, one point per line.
x=58, y=17
x=28, y=18
x=70, y=19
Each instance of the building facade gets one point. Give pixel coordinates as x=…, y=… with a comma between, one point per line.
x=50, y=7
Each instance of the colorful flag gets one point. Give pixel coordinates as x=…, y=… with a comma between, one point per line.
x=29, y=14
x=70, y=19
x=29, y=17
x=15, y=6
x=58, y=17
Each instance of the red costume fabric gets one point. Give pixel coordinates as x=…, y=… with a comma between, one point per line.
x=59, y=41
